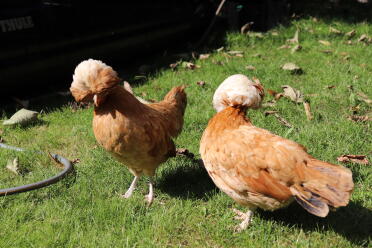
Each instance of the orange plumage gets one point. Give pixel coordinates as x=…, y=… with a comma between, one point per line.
x=138, y=135
x=259, y=169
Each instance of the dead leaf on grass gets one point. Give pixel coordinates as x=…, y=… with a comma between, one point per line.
x=220, y=49
x=173, y=66
x=201, y=83
x=269, y=104
x=274, y=33
x=75, y=161
x=22, y=117
x=257, y=55
x=293, y=68
x=189, y=65
x=293, y=94
x=364, y=97
x=204, y=56
x=184, y=152
x=330, y=87
x=13, y=166
x=279, y=118
x=309, y=116
x=359, y=159
x=296, y=48
x=250, y=67
x=284, y=47
x=364, y=38
x=217, y=62
x=295, y=38
x=334, y=30
x=351, y=33
x=327, y=51
x=246, y=27
x=324, y=42
x=359, y=118
x=272, y=92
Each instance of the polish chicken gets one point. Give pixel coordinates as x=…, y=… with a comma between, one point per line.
x=138, y=135
x=259, y=169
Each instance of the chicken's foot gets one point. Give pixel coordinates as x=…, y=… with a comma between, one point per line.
x=131, y=188
x=150, y=197
x=246, y=217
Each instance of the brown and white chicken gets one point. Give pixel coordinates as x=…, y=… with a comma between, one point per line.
x=138, y=135
x=259, y=169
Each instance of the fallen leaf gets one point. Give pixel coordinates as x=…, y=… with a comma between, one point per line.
x=189, y=65
x=270, y=112
x=257, y=55
x=344, y=53
x=272, y=92
x=330, y=87
x=250, y=67
x=235, y=53
x=200, y=83
x=359, y=159
x=347, y=57
x=309, y=116
x=204, y=56
x=364, y=97
x=268, y=104
x=184, y=152
x=327, y=51
x=293, y=94
x=359, y=118
x=13, y=166
x=351, y=33
x=144, y=94
x=335, y=31
x=324, y=42
x=255, y=34
x=349, y=42
x=174, y=65
x=363, y=38
x=216, y=62
x=284, y=47
x=296, y=48
x=220, y=49
x=279, y=118
x=75, y=161
x=246, y=27
x=22, y=117
x=293, y=68
x=295, y=37
x=274, y=33
x=315, y=19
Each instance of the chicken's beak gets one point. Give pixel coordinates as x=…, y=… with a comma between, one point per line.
x=95, y=100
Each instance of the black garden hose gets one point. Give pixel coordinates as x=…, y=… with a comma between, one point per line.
x=68, y=167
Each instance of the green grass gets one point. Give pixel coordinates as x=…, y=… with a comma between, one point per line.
x=84, y=210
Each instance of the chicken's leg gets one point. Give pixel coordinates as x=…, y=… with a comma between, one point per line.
x=246, y=217
x=131, y=188
x=150, y=197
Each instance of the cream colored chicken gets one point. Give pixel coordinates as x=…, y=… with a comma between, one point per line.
x=139, y=135
x=259, y=169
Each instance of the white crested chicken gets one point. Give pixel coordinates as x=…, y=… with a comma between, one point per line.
x=138, y=135
x=259, y=169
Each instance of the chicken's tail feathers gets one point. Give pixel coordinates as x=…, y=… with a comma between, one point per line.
x=92, y=77
x=324, y=185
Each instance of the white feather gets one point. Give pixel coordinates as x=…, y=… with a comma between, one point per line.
x=236, y=90
x=86, y=71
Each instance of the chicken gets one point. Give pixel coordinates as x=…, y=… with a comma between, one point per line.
x=136, y=134
x=259, y=169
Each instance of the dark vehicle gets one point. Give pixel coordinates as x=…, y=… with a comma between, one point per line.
x=42, y=41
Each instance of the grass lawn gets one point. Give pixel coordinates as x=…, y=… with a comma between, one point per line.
x=84, y=210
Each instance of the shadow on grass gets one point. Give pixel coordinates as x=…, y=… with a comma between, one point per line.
x=187, y=182
x=354, y=222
